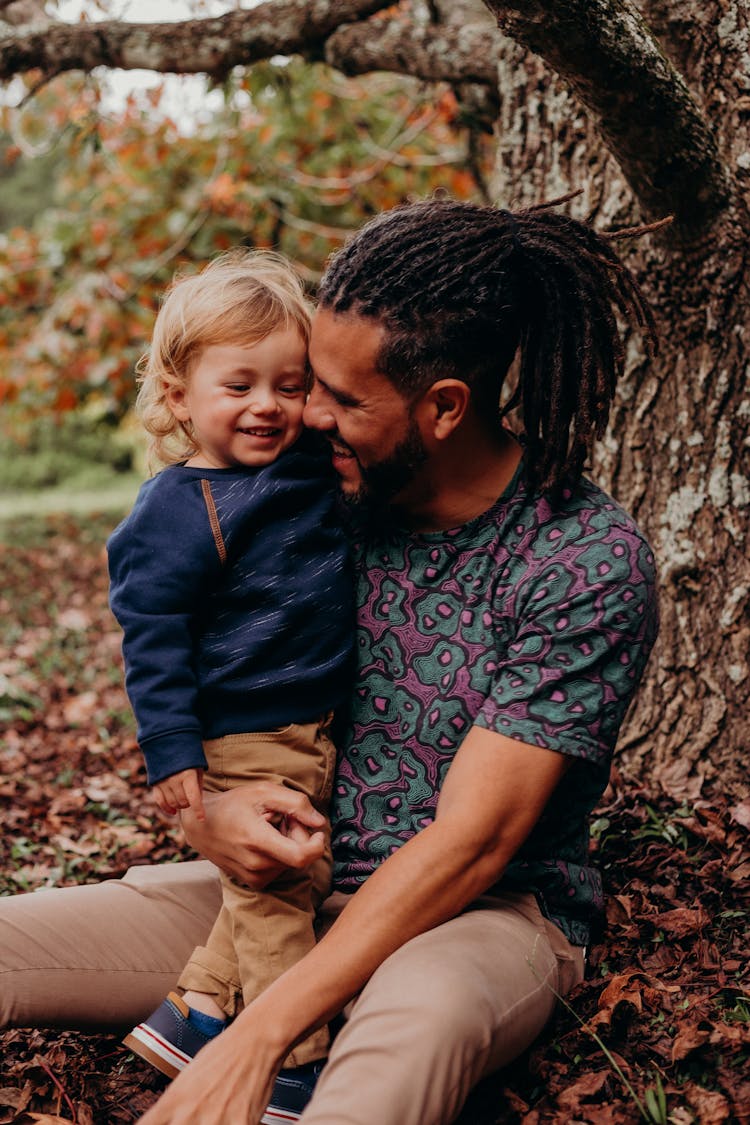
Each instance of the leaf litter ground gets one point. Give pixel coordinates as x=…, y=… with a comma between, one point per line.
x=658, y=1031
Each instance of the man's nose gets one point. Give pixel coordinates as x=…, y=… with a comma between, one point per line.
x=316, y=416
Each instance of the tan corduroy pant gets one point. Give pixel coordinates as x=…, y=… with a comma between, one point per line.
x=446, y=1009
x=258, y=935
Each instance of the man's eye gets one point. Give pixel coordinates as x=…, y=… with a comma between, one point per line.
x=343, y=400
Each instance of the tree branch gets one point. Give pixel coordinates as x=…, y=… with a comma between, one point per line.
x=210, y=46
x=437, y=53
x=20, y=12
x=645, y=113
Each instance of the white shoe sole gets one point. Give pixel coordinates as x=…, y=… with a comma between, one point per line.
x=162, y=1054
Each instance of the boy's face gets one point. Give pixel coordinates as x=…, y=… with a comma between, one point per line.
x=245, y=403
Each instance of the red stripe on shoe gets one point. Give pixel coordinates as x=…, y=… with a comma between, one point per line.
x=164, y=1043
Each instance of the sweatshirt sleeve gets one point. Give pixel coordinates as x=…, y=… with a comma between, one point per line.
x=161, y=559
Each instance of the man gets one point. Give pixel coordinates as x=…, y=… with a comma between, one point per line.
x=506, y=611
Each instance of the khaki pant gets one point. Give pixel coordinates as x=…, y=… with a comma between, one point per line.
x=258, y=935
x=446, y=1009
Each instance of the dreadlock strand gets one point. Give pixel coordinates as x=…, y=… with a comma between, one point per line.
x=459, y=288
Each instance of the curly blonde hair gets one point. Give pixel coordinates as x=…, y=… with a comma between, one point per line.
x=237, y=299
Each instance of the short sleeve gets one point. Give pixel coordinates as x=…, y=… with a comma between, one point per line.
x=576, y=637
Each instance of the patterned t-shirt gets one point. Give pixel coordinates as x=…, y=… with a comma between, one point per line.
x=530, y=621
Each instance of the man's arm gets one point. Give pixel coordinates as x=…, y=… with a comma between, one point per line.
x=492, y=797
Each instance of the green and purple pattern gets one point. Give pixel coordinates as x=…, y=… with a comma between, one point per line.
x=532, y=622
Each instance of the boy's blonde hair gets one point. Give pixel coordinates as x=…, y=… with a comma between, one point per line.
x=237, y=299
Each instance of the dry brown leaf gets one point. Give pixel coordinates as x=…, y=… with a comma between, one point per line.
x=624, y=988
x=11, y=1096
x=80, y=708
x=74, y=619
x=688, y=1039
x=42, y=1119
x=681, y=921
x=108, y=788
x=711, y=1105
x=741, y=813
x=584, y=1089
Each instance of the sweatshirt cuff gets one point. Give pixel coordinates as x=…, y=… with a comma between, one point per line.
x=170, y=753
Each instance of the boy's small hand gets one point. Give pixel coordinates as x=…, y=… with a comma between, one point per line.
x=183, y=790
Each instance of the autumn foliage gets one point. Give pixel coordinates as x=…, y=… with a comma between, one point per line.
x=290, y=156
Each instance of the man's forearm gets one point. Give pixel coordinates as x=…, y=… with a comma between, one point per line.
x=429, y=880
x=493, y=795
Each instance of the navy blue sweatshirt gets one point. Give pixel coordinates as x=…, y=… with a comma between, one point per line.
x=234, y=593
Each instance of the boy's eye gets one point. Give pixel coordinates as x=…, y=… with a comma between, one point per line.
x=238, y=388
x=292, y=389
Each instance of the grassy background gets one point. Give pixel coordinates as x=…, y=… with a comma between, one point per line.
x=70, y=463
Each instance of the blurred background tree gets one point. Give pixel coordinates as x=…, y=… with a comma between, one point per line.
x=100, y=207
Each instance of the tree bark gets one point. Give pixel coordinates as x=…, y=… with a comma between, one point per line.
x=676, y=450
x=449, y=53
x=643, y=108
x=210, y=46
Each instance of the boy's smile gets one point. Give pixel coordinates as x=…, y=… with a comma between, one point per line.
x=244, y=403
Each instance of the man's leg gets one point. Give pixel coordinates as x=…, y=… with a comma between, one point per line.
x=446, y=1009
x=102, y=956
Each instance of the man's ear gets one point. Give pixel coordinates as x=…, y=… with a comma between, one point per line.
x=443, y=407
x=177, y=403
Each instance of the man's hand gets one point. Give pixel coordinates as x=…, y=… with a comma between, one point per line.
x=257, y=831
x=228, y=1082
x=183, y=790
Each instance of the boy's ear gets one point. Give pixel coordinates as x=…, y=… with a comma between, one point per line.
x=176, y=402
x=444, y=406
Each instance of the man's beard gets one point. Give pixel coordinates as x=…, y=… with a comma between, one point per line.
x=385, y=479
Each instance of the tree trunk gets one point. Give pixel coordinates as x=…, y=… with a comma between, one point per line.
x=676, y=452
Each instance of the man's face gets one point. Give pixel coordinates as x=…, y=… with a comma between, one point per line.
x=376, y=442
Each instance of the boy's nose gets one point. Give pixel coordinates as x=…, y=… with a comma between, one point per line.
x=263, y=401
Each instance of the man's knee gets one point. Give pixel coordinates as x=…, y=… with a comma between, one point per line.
x=422, y=990
x=474, y=985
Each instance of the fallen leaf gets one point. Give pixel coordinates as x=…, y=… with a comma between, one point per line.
x=74, y=619
x=622, y=989
x=10, y=1095
x=680, y=922
x=80, y=709
x=713, y=1108
x=43, y=1119
x=108, y=788
x=688, y=1039
x=741, y=813
x=584, y=1089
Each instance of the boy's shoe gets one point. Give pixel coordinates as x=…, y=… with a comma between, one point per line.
x=292, y=1090
x=166, y=1039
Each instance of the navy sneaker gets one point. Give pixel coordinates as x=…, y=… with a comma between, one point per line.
x=292, y=1091
x=166, y=1039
